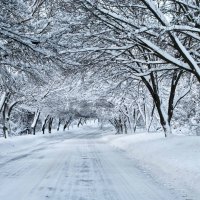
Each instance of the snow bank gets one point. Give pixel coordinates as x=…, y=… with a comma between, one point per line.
x=174, y=160
x=19, y=143
x=23, y=143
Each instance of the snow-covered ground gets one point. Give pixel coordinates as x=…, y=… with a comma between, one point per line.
x=175, y=161
x=81, y=165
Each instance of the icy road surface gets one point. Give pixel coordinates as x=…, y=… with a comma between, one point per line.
x=75, y=167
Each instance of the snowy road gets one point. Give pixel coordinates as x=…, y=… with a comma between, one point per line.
x=75, y=167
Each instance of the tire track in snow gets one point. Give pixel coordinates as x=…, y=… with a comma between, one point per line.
x=77, y=167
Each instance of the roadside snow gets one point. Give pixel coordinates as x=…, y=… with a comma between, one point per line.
x=174, y=160
x=24, y=143
x=75, y=165
x=18, y=143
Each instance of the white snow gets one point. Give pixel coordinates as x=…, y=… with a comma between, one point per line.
x=2, y=100
x=35, y=119
x=81, y=165
x=174, y=160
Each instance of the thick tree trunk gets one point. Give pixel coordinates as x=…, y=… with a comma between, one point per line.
x=175, y=79
x=163, y=119
x=155, y=95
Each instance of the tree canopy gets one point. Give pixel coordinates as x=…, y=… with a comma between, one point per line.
x=133, y=64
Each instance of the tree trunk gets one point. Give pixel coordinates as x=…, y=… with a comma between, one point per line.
x=67, y=123
x=59, y=122
x=152, y=116
x=65, y=126
x=6, y=113
x=35, y=120
x=125, y=127
x=5, y=128
x=155, y=95
x=45, y=124
x=3, y=100
x=163, y=119
x=80, y=122
x=50, y=124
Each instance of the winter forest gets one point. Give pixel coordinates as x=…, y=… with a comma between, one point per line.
x=100, y=99
x=134, y=64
